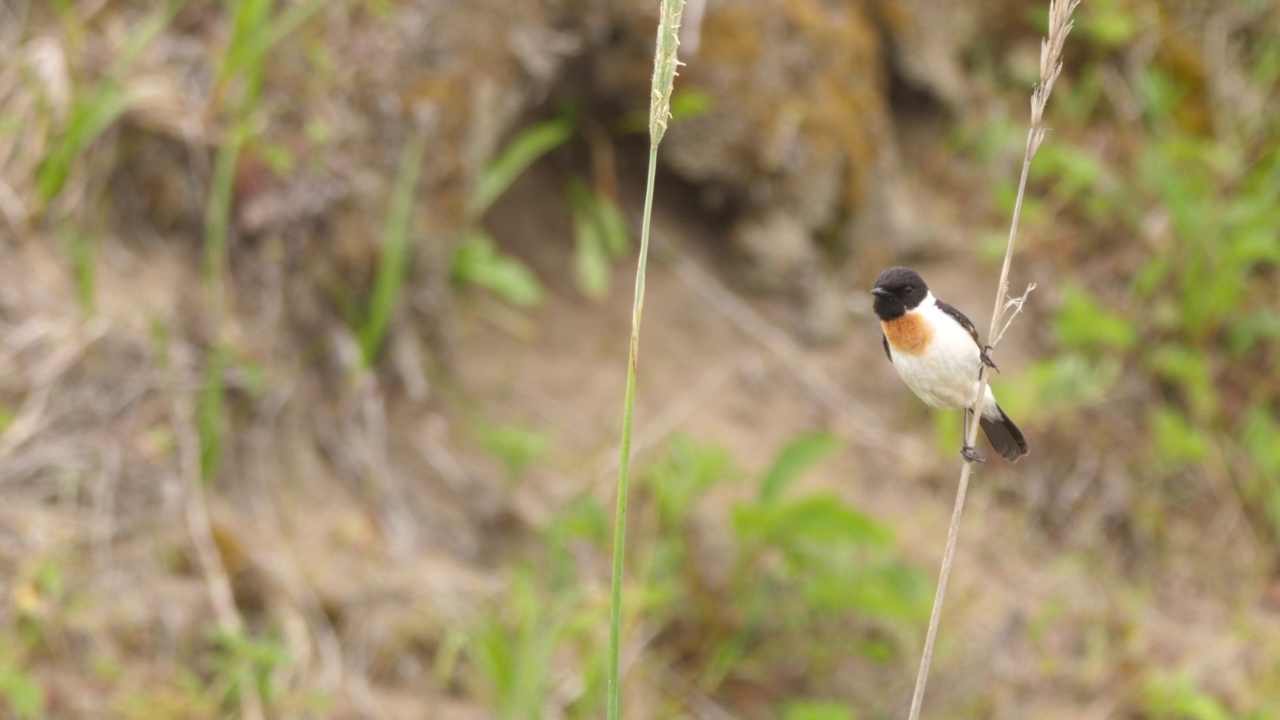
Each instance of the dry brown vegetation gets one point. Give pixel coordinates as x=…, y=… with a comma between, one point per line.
x=227, y=493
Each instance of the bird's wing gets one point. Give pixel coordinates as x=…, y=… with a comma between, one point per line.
x=886, y=347
x=967, y=324
x=959, y=317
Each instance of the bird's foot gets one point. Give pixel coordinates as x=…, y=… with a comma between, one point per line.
x=971, y=454
x=986, y=358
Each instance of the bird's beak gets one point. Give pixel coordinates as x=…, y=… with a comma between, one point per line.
x=879, y=291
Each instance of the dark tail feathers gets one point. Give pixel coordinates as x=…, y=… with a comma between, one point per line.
x=1004, y=436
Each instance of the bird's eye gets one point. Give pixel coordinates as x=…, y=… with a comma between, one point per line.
x=908, y=291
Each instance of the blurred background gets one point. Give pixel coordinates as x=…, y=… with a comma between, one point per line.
x=313, y=331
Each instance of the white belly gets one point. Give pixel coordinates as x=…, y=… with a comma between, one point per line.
x=945, y=375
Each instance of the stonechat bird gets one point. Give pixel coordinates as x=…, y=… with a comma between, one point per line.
x=936, y=352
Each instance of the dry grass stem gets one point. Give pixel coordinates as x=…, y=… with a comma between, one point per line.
x=1015, y=304
x=1050, y=66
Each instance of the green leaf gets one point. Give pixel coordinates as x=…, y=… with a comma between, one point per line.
x=22, y=693
x=590, y=258
x=1255, y=246
x=1065, y=380
x=583, y=518
x=522, y=152
x=1249, y=330
x=1176, y=439
x=822, y=518
x=1109, y=24
x=515, y=446
x=1158, y=94
x=1261, y=437
x=691, y=103
x=600, y=233
x=1083, y=324
x=1188, y=369
x=512, y=646
x=476, y=261
x=893, y=590
x=797, y=457
x=1073, y=170
x=1180, y=698
x=1152, y=275
x=613, y=226
x=684, y=475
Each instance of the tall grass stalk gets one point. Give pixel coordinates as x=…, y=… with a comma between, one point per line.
x=664, y=73
x=1050, y=66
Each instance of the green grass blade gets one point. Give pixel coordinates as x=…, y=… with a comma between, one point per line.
x=211, y=416
x=624, y=465
x=217, y=215
x=798, y=456
x=518, y=156
x=91, y=117
x=393, y=265
x=253, y=33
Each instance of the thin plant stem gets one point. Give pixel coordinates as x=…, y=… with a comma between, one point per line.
x=664, y=72
x=1050, y=66
x=953, y=536
x=624, y=468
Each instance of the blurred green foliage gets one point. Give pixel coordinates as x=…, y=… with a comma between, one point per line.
x=94, y=111
x=600, y=231
x=90, y=115
x=241, y=662
x=20, y=694
x=801, y=567
x=801, y=575
x=514, y=648
x=523, y=150
x=477, y=261
x=395, y=255
x=1180, y=697
x=601, y=237
x=1187, y=210
x=515, y=446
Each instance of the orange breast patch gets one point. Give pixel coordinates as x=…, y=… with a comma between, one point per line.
x=908, y=334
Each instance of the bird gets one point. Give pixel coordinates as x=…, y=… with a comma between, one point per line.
x=936, y=352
